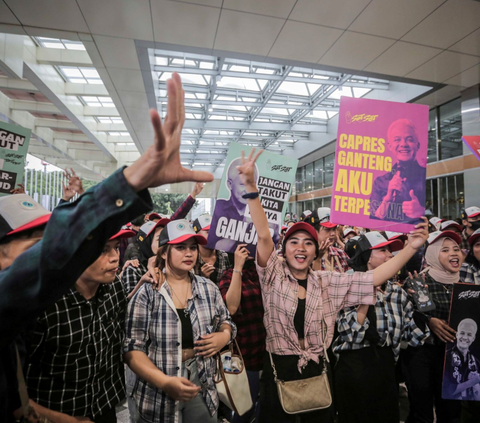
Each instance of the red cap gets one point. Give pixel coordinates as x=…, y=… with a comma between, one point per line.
x=434, y=236
x=301, y=226
x=124, y=233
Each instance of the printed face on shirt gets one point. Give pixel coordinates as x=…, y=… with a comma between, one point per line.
x=450, y=257
x=181, y=257
x=402, y=142
x=379, y=256
x=104, y=269
x=300, y=251
x=466, y=333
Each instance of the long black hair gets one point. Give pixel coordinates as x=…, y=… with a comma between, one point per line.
x=359, y=262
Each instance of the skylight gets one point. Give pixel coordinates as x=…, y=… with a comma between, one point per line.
x=59, y=44
x=80, y=75
x=97, y=101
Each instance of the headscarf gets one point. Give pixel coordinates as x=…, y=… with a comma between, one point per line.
x=435, y=269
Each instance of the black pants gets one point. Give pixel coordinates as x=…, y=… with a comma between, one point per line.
x=423, y=371
x=271, y=409
x=366, y=390
x=470, y=412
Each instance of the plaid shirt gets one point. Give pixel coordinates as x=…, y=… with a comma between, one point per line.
x=184, y=208
x=327, y=293
x=395, y=323
x=469, y=273
x=153, y=327
x=221, y=264
x=441, y=295
x=335, y=257
x=75, y=364
x=131, y=276
x=249, y=317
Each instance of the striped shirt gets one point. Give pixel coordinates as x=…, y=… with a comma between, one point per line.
x=75, y=364
x=153, y=327
x=394, y=322
x=327, y=293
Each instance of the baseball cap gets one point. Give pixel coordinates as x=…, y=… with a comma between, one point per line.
x=349, y=231
x=449, y=224
x=435, y=236
x=351, y=246
x=474, y=237
x=178, y=231
x=472, y=211
x=162, y=219
x=304, y=215
x=322, y=216
x=123, y=233
x=396, y=235
x=374, y=240
x=202, y=223
x=301, y=226
x=147, y=228
x=20, y=212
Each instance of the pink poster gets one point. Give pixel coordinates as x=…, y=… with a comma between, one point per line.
x=473, y=143
x=380, y=164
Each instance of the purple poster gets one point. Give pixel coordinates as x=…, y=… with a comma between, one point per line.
x=380, y=164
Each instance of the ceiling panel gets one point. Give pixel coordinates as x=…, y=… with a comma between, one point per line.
x=127, y=79
x=117, y=52
x=451, y=22
x=467, y=78
x=275, y=8
x=58, y=14
x=6, y=16
x=444, y=66
x=393, y=18
x=118, y=18
x=246, y=33
x=336, y=13
x=355, y=51
x=213, y=3
x=304, y=42
x=402, y=58
x=133, y=99
x=441, y=96
x=469, y=45
x=182, y=23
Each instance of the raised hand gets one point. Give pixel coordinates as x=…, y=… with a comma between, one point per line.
x=197, y=189
x=19, y=190
x=241, y=254
x=418, y=237
x=160, y=164
x=247, y=168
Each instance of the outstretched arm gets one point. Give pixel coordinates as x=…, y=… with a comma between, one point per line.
x=265, y=243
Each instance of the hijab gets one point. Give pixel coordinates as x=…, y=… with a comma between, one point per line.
x=435, y=269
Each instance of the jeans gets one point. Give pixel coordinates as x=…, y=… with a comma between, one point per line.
x=254, y=384
x=193, y=411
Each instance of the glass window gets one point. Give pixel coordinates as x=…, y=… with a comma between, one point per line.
x=327, y=201
x=309, y=177
x=451, y=130
x=452, y=196
x=299, y=181
x=318, y=174
x=317, y=202
x=432, y=137
x=328, y=174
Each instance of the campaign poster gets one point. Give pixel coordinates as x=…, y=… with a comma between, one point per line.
x=380, y=164
x=461, y=372
x=473, y=143
x=13, y=151
x=231, y=221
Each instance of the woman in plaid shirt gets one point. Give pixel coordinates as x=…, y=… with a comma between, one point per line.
x=370, y=338
x=301, y=304
x=173, y=334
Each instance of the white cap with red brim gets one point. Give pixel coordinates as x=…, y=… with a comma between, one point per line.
x=179, y=231
x=435, y=236
x=450, y=224
x=20, y=212
x=124, y=233
x=472, y=211
x=376, y=240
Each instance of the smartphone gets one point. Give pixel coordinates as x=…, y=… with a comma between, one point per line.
x=421, y=295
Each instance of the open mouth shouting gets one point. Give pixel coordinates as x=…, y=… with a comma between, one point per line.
x=300, y=258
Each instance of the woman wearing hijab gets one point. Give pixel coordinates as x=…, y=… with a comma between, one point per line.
x=423, y=366
x=369, y=341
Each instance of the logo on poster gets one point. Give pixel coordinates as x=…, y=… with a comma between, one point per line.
x=359, y=118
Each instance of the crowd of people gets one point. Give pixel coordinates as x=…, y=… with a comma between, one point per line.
x=103, y=300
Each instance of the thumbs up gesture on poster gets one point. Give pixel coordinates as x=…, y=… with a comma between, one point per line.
x=412, y=208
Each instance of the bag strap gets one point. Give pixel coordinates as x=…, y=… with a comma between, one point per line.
x=340, y=267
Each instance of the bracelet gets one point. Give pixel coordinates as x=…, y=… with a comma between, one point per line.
x=236, y=271
x=250, y=195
